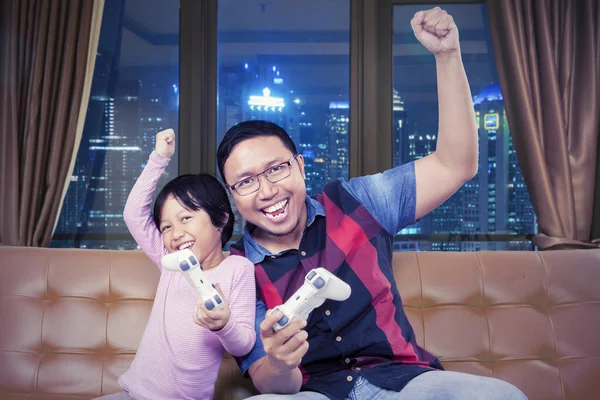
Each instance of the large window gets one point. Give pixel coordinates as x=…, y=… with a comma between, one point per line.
x=288, y=62
x=494, y=206
x=134, y=95
x=297, y=64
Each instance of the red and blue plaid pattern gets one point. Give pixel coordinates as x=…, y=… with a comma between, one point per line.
x=368, y=334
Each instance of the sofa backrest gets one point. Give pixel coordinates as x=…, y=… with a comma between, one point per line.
x=530, y=318
x=71, y=319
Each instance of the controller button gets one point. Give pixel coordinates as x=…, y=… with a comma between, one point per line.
x=311, y=275
x=209, y=305
x=218, y=299
x=184, y=266
x=327, y=312
x=349, y=378
x=193, y=260
x=319, y=283
x=303, y=253
x=338, y=339
x=283, y=321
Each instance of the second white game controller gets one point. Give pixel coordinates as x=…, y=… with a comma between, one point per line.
x=319, y=285
x=186, y=262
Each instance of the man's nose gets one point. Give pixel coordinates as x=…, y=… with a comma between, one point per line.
x=267, y=189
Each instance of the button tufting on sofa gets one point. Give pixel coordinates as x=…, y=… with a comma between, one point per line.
x=71, y=320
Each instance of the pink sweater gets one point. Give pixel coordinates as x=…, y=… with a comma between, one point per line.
x=178, y=359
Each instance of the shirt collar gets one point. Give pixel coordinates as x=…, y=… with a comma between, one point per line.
x=256, y=253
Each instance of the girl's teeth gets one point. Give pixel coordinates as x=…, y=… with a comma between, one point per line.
x=186, y=246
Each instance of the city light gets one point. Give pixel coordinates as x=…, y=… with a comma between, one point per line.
x=116, y=148
x=339, y=105
x=266, y=102
x=492, y=121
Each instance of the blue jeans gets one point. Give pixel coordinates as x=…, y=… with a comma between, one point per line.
x=434, y=385
x=122, y=395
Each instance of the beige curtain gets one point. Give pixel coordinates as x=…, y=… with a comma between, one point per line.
x=47, y=55
x=548, y=55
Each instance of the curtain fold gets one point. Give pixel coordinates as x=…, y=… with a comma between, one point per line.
x=547, y=54
x=96, y=24
x=46, y=58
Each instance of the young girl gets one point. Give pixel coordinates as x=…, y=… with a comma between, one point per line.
x=182, y=346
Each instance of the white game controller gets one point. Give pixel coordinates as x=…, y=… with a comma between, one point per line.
x=319, y=285
x=186, y=262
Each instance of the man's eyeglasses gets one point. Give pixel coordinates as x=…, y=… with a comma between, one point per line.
x=274, y=174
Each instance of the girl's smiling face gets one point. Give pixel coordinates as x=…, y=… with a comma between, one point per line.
x=182, y=228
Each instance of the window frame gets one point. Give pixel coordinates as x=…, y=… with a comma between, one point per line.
x=371, y=94
x=371, y=66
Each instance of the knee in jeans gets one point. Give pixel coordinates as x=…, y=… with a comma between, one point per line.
x=507, y=391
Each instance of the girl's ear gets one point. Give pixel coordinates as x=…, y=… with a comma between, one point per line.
x=226, y=219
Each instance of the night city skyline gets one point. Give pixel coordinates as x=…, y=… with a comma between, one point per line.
x=128, y=105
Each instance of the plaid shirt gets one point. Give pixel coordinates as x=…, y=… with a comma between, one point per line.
x=368, y=334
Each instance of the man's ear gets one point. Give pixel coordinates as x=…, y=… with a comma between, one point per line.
x=300, y=161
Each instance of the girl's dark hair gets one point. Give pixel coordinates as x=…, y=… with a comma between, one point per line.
x=196, y=192
x=247, y=130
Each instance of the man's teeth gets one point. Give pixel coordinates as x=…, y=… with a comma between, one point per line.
x=186, y=245
x=276, y=207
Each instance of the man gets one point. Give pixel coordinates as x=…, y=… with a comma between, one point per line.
x=363, y=347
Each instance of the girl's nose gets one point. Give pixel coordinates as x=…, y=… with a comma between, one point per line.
x=177, y=233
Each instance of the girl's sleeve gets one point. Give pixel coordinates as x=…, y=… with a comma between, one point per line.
x=238, y=335
x=138, y=214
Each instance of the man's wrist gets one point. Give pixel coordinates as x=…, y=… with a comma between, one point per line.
x=277, y=367
x=445, y=58
x=270, y=377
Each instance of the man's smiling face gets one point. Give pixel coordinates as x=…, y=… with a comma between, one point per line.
x=275, y=208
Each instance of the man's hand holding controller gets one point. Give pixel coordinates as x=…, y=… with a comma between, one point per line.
x=319, y=285
x=283, y=339
x=212, y=311
x=165, y=143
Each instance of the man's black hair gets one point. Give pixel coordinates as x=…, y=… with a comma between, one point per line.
x=247, y=130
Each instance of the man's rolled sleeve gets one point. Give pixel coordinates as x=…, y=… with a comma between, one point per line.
x=389, y=196
x=258, y=350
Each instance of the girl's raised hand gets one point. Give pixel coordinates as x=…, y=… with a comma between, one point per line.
x=165, y=143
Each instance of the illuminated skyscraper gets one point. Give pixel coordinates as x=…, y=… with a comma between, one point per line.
x=400, y=131
x=338, y=125
x=504, y=203
x=267, y=106
x=312, y=144
x=494, y=201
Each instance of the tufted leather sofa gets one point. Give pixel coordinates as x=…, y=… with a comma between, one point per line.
x=71, y=320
